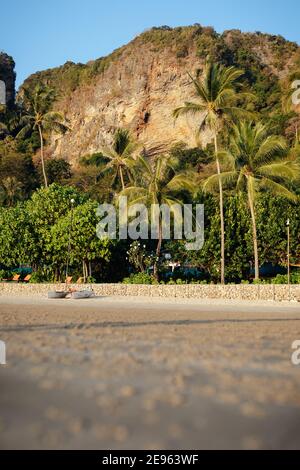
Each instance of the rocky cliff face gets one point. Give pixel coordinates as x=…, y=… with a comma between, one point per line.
x=139, y=85
x=7, y=74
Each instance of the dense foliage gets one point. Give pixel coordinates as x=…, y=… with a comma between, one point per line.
x=36, y=220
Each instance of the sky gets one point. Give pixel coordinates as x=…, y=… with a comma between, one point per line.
x=41, y=34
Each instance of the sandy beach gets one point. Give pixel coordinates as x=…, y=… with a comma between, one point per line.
x=122, y=373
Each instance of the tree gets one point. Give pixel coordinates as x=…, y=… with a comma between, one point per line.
x=58, y=170
x=257, y=161
x=120, y=156
x=85, y=246
x=86, y=178
x=45, y=208
x=19, y=167
x=216, y=99
x=16, y=237
x=273, y=235
x=38, y=116
x=157, y=183
x=10, y=191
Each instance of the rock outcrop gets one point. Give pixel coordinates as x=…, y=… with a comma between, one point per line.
x=140, y=84
x=8, y=76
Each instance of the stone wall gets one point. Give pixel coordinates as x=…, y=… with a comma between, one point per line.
x=190, y=291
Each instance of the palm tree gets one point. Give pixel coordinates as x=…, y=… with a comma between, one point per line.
x=216, y=99
x=10, y=190
x=157, y=183
x=38, y=116
x=257, y=161
x=120, y=156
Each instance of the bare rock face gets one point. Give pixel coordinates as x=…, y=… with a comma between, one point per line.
x=139, y=85
x=137, y=93
x=8, y=76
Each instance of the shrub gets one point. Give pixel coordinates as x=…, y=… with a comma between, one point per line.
x=261, y=281
x=5, y=274
x=139, y=278
x=41, y=275
x=283, y=279
x=182, y=52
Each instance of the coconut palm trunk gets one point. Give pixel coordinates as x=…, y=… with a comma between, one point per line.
x=122, y=178
x=42, y=156
x=254, y=234
x=85, y=272
x=158, y=249
x=221, y=202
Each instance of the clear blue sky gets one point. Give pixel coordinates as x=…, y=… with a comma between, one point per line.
x=45, y=33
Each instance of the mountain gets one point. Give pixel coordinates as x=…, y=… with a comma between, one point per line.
x=138, y=85
x=7, y=74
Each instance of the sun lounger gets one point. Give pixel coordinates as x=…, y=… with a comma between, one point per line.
x=27, y=278
x=69, y=280
x=16, y=278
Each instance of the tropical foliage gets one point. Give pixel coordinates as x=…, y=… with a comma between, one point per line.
x=257, y=161
x=38, y=116
x=216, y=104
x=247, y=175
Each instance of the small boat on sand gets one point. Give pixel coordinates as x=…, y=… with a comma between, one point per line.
x=82, y=294
x=72, y=294
x=57, y=294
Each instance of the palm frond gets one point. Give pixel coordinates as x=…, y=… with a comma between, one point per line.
x=277, y=189
x=288, y=170
x=271, y=147
x=183, y=181
x=211, y=184
x=188, y=108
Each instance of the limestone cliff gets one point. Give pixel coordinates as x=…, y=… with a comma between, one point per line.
x=139, y=85
x=7, y=74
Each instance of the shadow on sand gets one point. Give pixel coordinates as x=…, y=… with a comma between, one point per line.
x=121, y=324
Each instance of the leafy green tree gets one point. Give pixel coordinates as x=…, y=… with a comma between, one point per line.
x=58, y=170
x=16, y=238
x=86, y=178
x=20, y=167
x=191, y=158
x=10, y=190
x=272, y=214
x=79, y=226
x=45, y=208
x=237, y=243
x=216, y=104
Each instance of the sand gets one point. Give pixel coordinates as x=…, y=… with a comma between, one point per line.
x=121, y=373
